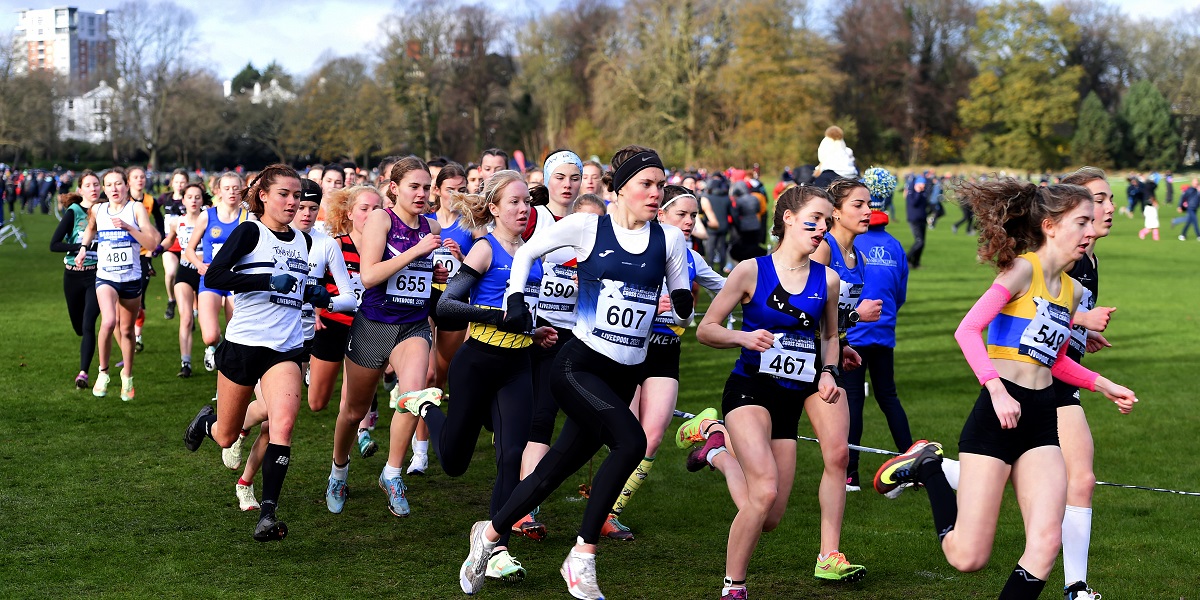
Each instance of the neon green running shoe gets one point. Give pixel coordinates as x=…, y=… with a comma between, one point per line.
x=689, y=432
x=503, y=566
x=414, y=401
x=100, y=390
x=903, y=468
x=835, y=567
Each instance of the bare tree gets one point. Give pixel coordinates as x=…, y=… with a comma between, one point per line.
x=27, y=122
x=153, y=42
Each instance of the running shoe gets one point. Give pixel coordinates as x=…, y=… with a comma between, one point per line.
x=170, y=312
x=836, y=568
x=471, y=573
x=395, y=398
x=418, y=464
x=127, y=391
x=892, y=495
x=194, y=435
x=689, y=432
x=335, y=495
x=418, y=401
x=185, y=370
x=735, y=594
x=245, y=496
x=307, y=370
x=504, y=567
x=232, y=456
x=81, y=381
x=698, y=458
x=366, y=446
x=100, y=390
x=1079, y=591
x=852, y=482
x=389, y=382
x=397, y=501
x=579, y=571
x=138, y=346
x=269, y=529
x=210, y=358
x=903, y=468
x=614, y=530
x=530, y=527
x=372, y=419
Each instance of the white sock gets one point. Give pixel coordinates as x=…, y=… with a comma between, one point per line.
x=713, y=454
x=1076, y=539
x=951, y=468
x=340, y=472
x=420, y=447
x=390, y=472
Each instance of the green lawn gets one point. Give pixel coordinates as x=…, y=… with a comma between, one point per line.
x=99, y=497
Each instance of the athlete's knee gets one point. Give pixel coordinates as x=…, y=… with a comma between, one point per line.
x=1081, y=484
x=836, y=457
x=762, y=497
x=224, y=438
x=971, y=560
x=350, y=411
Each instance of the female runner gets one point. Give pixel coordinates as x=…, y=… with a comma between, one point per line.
x=852, y=217
x=122, y=228
x=79, y=283
x=1032, y=234
x=171, y=203
x=491, y=374
x=789, y=364
x=596, y=373
x=215, y=225
x=392, y=326
x=265, y=264
x=187, y=278
x=654, y=403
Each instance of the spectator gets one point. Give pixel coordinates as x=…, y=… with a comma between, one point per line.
x=1150, y=214
x=917, y=203
x=746, y=211
x=717, y=206
x=1169, y=184
x=1189, y=202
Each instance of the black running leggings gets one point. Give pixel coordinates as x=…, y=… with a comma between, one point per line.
x=594, y=391
x=80, y=289
x=545, y=409
x=880, y=361
x=493, y=388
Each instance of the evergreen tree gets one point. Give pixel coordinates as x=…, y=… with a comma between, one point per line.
x=1152, y=141
x=1097, y=138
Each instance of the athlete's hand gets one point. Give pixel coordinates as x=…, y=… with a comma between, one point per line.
x=440, y=274
x=1095, y=319
x=664, y=304
x=516, y=318
x=453, y=247
x=202, y=268
x=79, y=257
x=827, y=388
x=1120, y=394
x=869, y=310
x=120, y=224
x=319, y=325
x=317, y=296
x=851, y=359
x=1007, y=409
x=157, y=251
x=545, y=337
x=283, y=283
x=1096, y=342
x=428, y=244
x=757, y=341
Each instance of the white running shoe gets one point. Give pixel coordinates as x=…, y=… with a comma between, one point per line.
x=394, y=398
x=471, y=573
x=245, y=496
x=418, y=464
x=100, y=390
x=579, y=571
x=232, y=456
x=210, y=358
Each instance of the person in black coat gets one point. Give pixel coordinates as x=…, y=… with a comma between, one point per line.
x=917, y=201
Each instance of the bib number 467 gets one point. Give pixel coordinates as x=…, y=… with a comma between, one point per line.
x=786, y=365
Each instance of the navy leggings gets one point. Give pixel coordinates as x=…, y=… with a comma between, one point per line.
x=879, y=360
x=594, y=392
x=493, y=388
x=79, y=287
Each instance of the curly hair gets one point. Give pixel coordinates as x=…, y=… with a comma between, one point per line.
x=1011, y=211
x=341, y=203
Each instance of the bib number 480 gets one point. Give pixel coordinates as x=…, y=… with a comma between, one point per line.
x=626, y=317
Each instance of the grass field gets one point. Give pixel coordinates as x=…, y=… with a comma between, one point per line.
x=100, y=499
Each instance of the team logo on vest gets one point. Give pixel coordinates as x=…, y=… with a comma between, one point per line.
x=879, y=256
x=216, y=231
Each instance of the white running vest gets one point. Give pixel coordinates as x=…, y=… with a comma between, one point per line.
x=117, y=250
x=318, y=263
x=271, y=319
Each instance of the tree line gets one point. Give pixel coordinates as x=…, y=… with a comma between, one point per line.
x=1012, y=83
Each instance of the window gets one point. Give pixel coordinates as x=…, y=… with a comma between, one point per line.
x=101, y=125
x=70, y=105
x=70, y=124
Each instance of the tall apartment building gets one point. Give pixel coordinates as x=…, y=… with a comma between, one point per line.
x=66, y=40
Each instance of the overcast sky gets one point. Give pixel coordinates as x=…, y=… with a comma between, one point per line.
x=297, y=33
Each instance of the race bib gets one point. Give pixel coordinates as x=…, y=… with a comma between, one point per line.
x=184, y=235
x=1047, y=331
x=1078, y=332
x=625, y=312
x=356, y=287
x=558, y=293
x=848, y=297
x=412, y=285
x=531, y=301
x=792, y=356
x=116, y=252
x=443, y=257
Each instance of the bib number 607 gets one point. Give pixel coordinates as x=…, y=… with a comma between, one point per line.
x=628, y=318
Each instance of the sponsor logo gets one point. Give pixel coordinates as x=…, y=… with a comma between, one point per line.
x=605, y=253
x=879, y=256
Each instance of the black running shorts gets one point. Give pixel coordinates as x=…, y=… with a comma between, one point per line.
x=329, y=344
x=245, y=365
x=189, y=276
x=1037, y=427
x=784, y=405
x=1066, y=394
x=662, y=357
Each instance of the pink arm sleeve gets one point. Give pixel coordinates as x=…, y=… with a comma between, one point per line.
x=970, y=330
x=1068, y=371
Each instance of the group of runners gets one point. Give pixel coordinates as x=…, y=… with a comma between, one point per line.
x=523, y=299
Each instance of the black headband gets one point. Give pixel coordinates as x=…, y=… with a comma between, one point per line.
x=633, y=166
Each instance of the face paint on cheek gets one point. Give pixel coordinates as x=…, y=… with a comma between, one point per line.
x=809, y=226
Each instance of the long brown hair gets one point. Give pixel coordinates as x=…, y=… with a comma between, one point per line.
x=1010, y=213
x=793, y=199
x=403, y=167
x=262, y=183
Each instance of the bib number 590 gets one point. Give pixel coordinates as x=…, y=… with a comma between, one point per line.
x=626, y=317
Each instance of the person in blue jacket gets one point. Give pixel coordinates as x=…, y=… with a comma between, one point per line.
x=886, y=278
